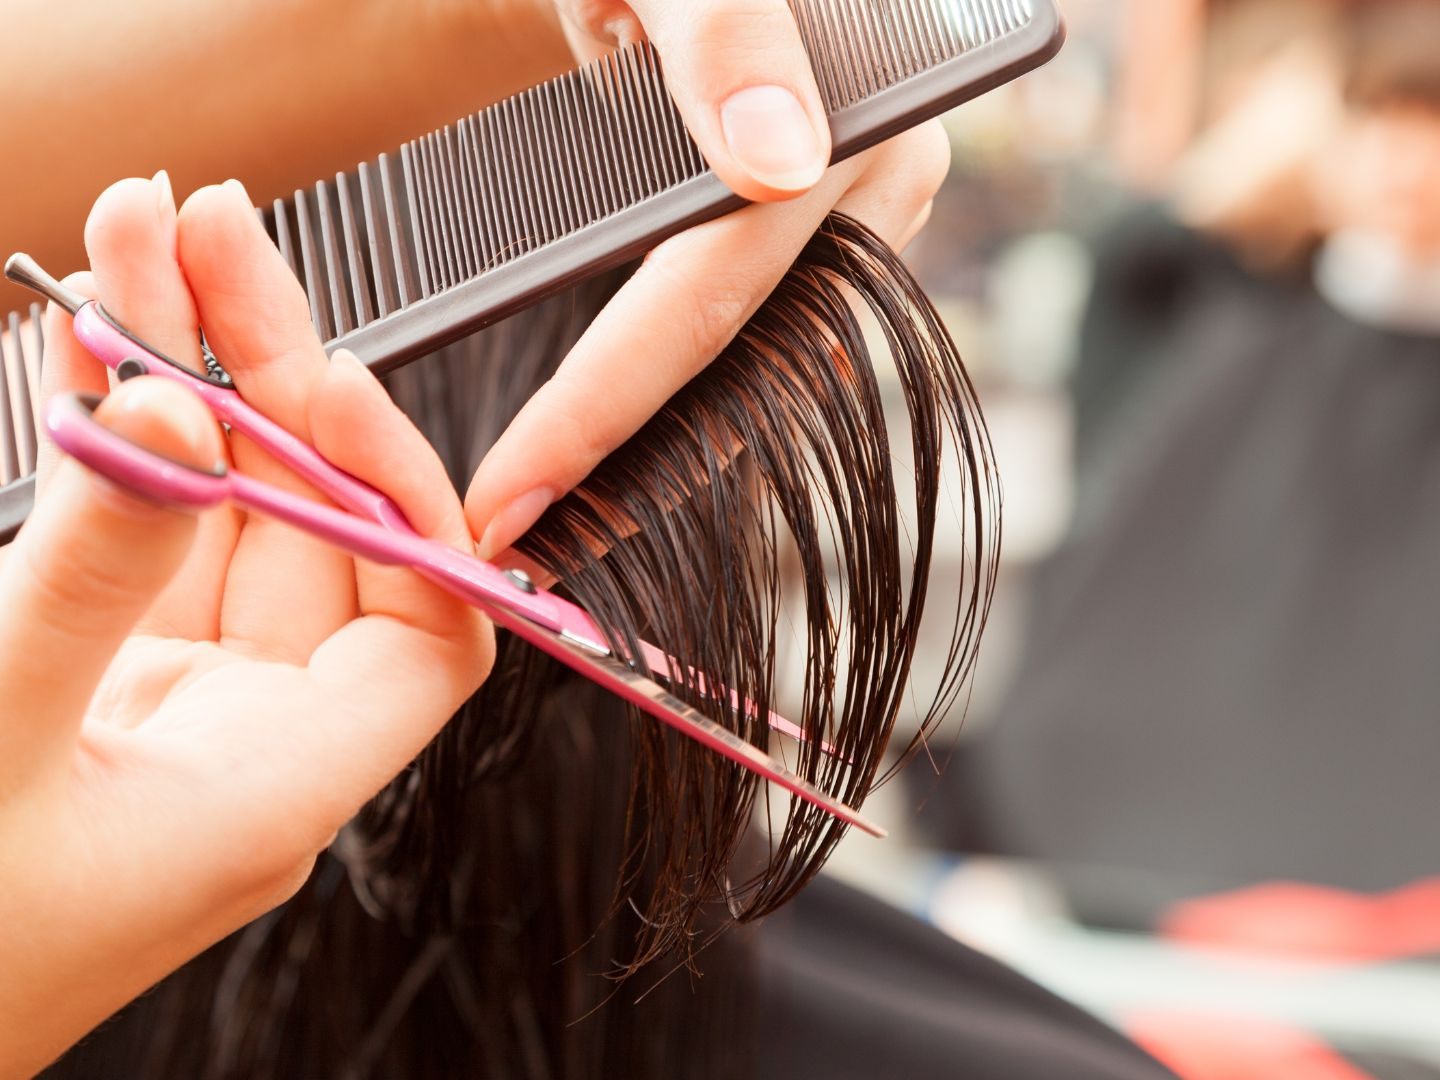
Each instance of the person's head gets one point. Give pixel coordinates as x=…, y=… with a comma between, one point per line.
x=1381, y=173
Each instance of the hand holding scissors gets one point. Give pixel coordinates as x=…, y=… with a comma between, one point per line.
x=193, y=706
x=367, y=524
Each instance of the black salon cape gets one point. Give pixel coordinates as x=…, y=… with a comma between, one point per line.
x=1233, y=671
x=853, y=989
x=849, y=987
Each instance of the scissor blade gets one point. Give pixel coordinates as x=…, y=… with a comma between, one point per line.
x=664, y=706
x=662, y=663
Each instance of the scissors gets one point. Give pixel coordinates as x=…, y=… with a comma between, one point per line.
x=368, y=524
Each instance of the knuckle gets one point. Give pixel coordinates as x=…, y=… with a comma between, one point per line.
x=122, y=214
x=900, y=183
x=271, y=885
x=477, y=657
x=923, y=155
x=716, y=306
x=70, y=583
x=81, y=281
x=198, y=213
x=719, y=314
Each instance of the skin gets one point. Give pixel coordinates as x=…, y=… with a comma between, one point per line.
x=195, y=707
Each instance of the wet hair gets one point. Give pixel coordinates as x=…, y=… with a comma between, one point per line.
x=525, y=899
x=1391, y=49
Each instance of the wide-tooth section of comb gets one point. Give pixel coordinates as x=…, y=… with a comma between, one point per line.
x=512, y=204
x=21, y=347
x=20, y=351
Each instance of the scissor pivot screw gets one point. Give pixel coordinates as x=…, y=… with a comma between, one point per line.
x=521, y=580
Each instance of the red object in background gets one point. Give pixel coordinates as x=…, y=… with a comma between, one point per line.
x=1314, y=922
x=1201, y=1046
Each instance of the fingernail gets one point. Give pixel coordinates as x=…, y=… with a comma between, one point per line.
x=164, y=418
x=237, y=186
x=348, y=364
x=772, y=138
x=165, y=194
x=165, y=203
x=513, y=521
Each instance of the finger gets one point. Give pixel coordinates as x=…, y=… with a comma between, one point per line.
x=131, y=237
x=742, y=81
x=258, y=322
x=388, y=687
x=594, y=27
x=595, y=400
x=67, y=368
x=361, y=430
x=89, y=563
x=893, y=196
x=916, y=227
x=664, y=325
x=416, y=653
x=358, y=428
x=253, y=308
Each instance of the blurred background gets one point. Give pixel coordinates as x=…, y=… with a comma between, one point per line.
x=1194, y=263
x=1194, y=266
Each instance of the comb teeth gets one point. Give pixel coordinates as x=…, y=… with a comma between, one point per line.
x=20, y=351
x=479, y=194
x=512, y=204
x=536, y=178
x=861, y=47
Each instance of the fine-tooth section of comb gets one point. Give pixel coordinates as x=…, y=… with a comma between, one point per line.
x=529, y=196
x=536, y=193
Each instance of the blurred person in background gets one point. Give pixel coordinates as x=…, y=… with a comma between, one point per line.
x=1229, y=677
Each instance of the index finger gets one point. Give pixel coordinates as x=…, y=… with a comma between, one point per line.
x=661, y=329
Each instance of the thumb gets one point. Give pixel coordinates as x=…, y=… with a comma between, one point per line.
x=84, y=569
x=742, y=81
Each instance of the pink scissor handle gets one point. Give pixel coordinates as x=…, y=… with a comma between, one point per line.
x=115, y=347
x=70, y=421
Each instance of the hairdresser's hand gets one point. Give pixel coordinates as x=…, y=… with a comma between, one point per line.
x=190, y=709
x=743, y=83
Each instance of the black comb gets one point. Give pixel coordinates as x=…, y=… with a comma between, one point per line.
x=523, y=199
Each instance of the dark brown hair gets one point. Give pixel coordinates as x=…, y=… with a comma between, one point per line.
x=464, y=922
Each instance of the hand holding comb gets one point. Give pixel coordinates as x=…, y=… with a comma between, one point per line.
x=512, y=204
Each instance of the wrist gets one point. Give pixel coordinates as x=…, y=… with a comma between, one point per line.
x=84, y=932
